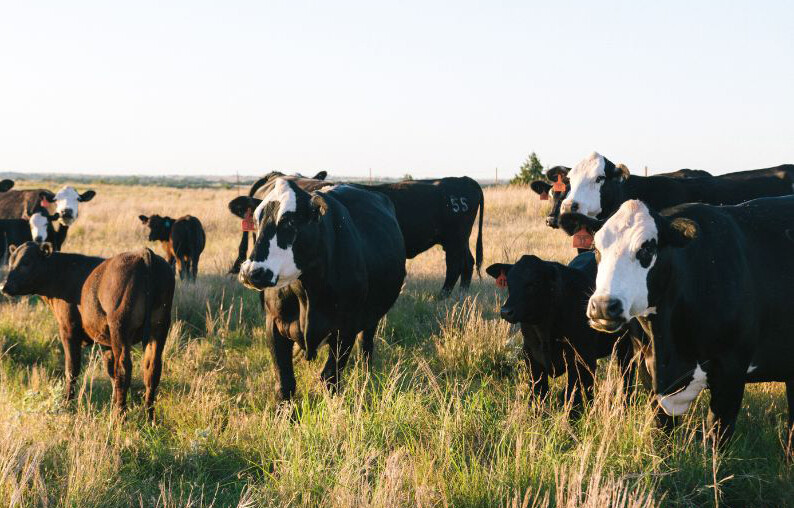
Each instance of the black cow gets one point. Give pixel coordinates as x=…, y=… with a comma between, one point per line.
x=182, y=239
x=38, y=228
x=429, y=212
x=329, y=265
x=711, y=286
x=541, y=187
x=598, y=187
x=549, y=300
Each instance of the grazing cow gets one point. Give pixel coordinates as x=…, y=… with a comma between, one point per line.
x=115, y=302
x=329, y=265
x=549, y=300
x=598, y=187
x=711, y=286
x=182, y=240
x=240, y=206
x=542, y=187
x=429, y=212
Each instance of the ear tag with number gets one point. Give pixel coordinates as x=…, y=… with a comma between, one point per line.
x=44, y=202
x=582, y=239
x=544, y=196
x=501, y=281
x=559, y=185
x=248, y=222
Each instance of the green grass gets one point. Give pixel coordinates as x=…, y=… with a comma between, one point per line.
x=444, y=417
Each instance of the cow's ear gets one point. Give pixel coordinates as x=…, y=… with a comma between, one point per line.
x=540, y=187
x=497, y=269
x=144, y=219
x=6, y=185
x=679, y=232
x=86, y=196
x=47, y=195
x=318, y=206
x=622, y=171
x=573, y=222
x=240, y=205
x=321, y=175
x=47, y=249
x=556, y=171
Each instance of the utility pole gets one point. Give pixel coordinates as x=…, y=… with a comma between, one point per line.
x=496, y=176
x=646, y=170
x=370, y=176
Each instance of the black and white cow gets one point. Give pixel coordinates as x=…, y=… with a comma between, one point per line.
x=329, y=265
x=599, y=187
x=552, y=219
x=711, y=286
x=549, y=300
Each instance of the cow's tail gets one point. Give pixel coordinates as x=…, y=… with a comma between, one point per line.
x=479, y=233
x=147, y=313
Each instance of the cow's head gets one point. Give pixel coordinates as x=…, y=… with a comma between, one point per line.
x=40, y=222
x=287, y=234
x=532, y=285
x=159, y=227
x=596, y=187
x=67, y=201
x=6, y=185
x=634, y=250
x=541, y=187
x=26, y=273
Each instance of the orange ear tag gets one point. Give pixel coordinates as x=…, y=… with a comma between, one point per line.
x=559, y=185
x=501, y=281
x=544, y=196
x=582, y=239
x=248, y=222
x=44, y=202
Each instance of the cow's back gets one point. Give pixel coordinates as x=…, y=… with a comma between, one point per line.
x=19, y=204
x=187, y=236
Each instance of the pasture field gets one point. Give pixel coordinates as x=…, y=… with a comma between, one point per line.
x=443, y=418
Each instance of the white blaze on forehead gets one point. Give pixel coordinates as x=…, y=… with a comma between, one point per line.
x=584, y=189
x=620, y=274
x=678, y=403
x=280, y=263
x=38, y=226
x=281, y=193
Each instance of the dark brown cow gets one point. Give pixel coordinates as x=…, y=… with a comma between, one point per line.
x=182, y=239
x=115, y=302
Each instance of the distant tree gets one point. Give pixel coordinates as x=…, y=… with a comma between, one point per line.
x=529, y=171
x=407, y=176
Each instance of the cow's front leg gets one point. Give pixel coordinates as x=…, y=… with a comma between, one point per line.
x=338, y=354
x=726, y=401
x=281, y=352
x=790, y=427
x=579, y=387
x=72, y=357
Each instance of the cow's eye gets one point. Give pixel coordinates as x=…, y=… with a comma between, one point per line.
x=645, y=256
x=600, y=179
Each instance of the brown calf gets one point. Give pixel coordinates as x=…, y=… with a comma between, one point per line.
x=115, y=302
x=182, y=239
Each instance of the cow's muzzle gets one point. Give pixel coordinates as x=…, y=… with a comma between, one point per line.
x=605, y=313
x=551, y=221
x=508, y=314
x=257, y=277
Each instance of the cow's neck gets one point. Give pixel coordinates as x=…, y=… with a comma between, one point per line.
x=65, y=275
x=657, y=192
x=59, y=235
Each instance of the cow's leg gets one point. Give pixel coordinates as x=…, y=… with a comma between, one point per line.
x=724, y=406
x=153, y=367
x=180, y=264
x=339, y=350
x=194, y=266
x=281, y=351
x=242, y=252
x=454, y=259
x=367, y=341
x=579, y=387
x=72, y=356
x=790, y=427
x=538, y=378
x=467, y=270
x=122, y=366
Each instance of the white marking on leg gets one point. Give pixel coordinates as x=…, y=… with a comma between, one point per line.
x=678, y=403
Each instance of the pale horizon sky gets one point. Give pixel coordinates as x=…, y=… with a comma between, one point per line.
x=426, y=88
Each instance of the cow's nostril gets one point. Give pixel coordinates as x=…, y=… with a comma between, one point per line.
x=38, y=239
x=614, y=308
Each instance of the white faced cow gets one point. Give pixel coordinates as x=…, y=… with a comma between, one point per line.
x=711, y=287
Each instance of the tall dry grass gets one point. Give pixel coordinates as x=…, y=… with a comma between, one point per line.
x=444, y=418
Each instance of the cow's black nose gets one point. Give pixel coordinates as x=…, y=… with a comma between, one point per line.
x=38, y=239
x=508, y=314
x=574, y=207
x=605, y=307
x=260, y=277
x=67, y=213
x=551, y=221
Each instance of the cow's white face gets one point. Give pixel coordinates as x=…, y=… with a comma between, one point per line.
x=277, y=232
x=627, y=248
x=679, y=402
x=66, y=203
x=38, y=227
x=586, y=180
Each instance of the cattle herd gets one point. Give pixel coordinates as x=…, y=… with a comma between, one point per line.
x=686, y=277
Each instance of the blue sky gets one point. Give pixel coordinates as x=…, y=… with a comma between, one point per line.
x=427, y=88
